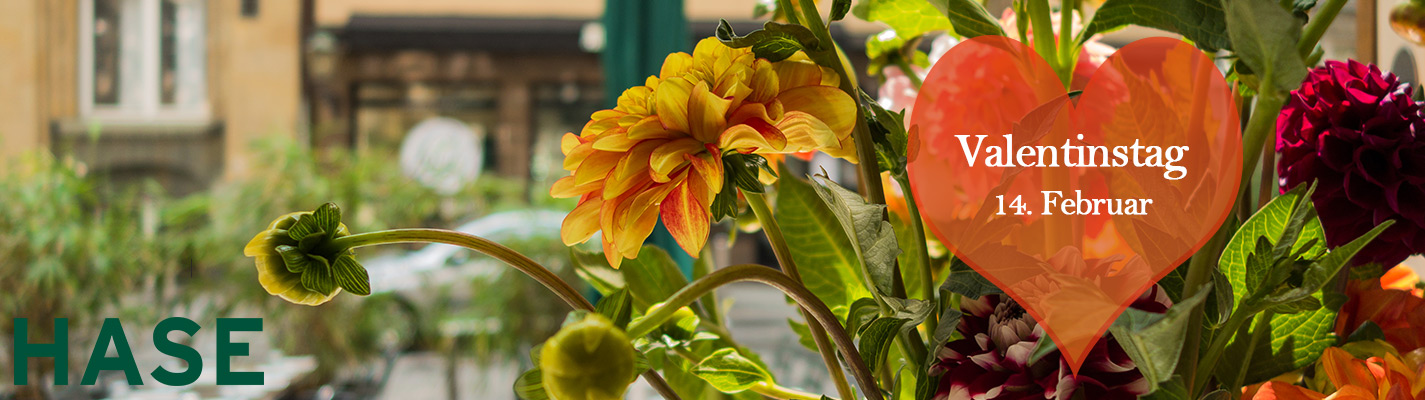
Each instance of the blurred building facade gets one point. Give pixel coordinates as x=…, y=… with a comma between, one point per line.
x=177, y=89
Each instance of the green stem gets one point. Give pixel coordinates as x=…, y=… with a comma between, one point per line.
x=1214, y=349
x=869, y=170
x=1263, y=324
x=907, y=70
x=1198, y=274
x=1260, y=128
x=927, y=279
x=519, y=261
x=1039, y=17
x=789, y=11
x=763, y=211
x=1068, y=57
x=798, y=293
x=1316, y=27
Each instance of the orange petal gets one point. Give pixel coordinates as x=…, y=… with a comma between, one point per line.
x=581, y=223
x=1401, y=277
x=669, y=156
x=709, y=173
x=743, y=137
x=632, y=169
x=672, y=103
x=1345, y=370
x=568, y=142
x=1273, y=390
x=596, y=127
x=611, y=253
x=826, y=103
x=576, y=155
x=686, y=219
x=1352, y=393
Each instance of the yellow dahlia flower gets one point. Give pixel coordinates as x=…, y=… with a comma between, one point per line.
x=658, y=153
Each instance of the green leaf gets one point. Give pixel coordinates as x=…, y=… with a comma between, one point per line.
x=824, y=255
x=873, y=238
x=530, y=385
x=1201, y=21
x=652, y=277
x=888, y=131
x=839, y=9
x=803, y=334
x=295, y=259
x=1154, y=340
x=318, y=278
x=618, y=307
x=350, y=275
x=1271, y=223
x=595, y=269
x=730, y=372
x=875, y=339
x=945, y=329
x=326, y=219
x=1296, y=340
x=863, y=311
x=908, y=19
x=774, y=42
x=964, y=281
x=969, y=18
x=1043, y=347
x=1265, y=36
x=1173, y=389
x=1366, y=332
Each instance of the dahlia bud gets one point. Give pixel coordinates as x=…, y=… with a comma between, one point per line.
x=298, y=261
x=587, y=360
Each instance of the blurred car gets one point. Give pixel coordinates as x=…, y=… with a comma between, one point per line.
x=401, y=271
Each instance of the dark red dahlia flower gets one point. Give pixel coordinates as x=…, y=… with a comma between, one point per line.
x=991, y=362
x=1352, y=129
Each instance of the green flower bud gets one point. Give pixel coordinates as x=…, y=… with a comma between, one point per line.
x=587, y=360
x=297, y=261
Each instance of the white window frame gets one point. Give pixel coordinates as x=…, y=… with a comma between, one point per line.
x=140, y=69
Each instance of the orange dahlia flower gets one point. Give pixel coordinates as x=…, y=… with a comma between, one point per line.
x=1392, y=302
x=658, y=153
x=1376, y=378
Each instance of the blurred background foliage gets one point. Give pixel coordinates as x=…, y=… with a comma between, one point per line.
x=74, y=246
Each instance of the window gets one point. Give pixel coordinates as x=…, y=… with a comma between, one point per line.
x=143, y=60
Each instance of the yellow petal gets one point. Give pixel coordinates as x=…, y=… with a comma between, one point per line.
x=634, y=100
x=669, y=156
x=596, y=127
x=651, y=127
x=805, y=132
x=794, y=74
x=676, y=64
x=764, y=82
x=632, y=169
x=576, y=155
x=707, y=113
x=615, y=142
x=274, y=277
x=568, y=142
x=565, y=188
x=743, y=137
x=581, y=223
x=596, y=167
x=611, y=253
x=828, y=104
x=686, y=219
x=672, y=103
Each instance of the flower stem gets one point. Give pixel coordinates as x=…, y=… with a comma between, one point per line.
x=759, y=206
x=1042, y=23
x=1316, y=27
x=907, y=70
x=766, y=389
x=870, y=171
x=1198, y=274
x=1260, y=128
x=771, y=277
x=1068, y=57
x=1214, y=350
x=927, y=279
x=519, y=261
x=1263, y=324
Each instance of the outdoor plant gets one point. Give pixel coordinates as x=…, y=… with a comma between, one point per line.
x=1286, y=300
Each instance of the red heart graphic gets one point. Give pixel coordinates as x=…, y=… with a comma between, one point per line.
x=1090, y=201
